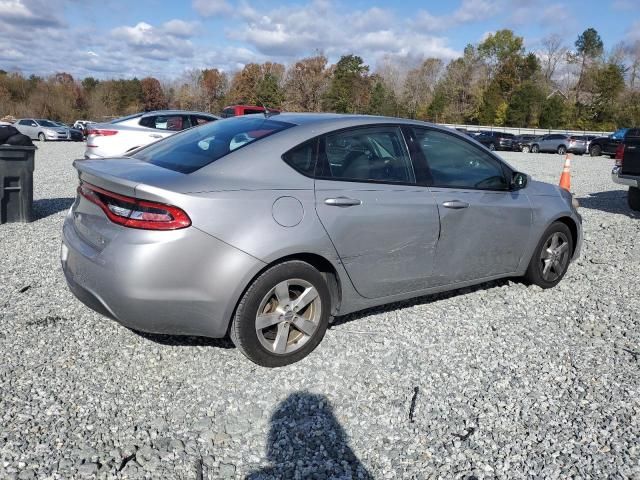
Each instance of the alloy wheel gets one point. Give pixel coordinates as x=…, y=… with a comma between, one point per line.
x=288, y=316
x=554, y=256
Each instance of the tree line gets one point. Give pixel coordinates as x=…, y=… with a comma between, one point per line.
x=495, y=82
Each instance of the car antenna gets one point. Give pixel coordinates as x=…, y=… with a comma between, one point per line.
x=267, y=113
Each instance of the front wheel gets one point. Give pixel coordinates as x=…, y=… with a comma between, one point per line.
x=562, y=149
x=492, y=147
x=526, y=149
x=283, y=315
x=595, y=151
x=535, y=149
x=552, y=256
x=633, y=197
x=42, y=137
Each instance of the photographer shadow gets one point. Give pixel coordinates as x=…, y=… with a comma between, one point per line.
x=307, y=441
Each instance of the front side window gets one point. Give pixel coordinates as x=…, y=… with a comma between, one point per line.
x=197, y=120
x=166, y=122
x=376, y=154
x=455, y=163
x=25, y=122
x=192, y=149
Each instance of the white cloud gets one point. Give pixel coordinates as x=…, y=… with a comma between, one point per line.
x=209, y=8
x=293, y=31
x=158, y=43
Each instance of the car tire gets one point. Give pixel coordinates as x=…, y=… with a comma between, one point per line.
x=42, y=137
x=633, y=197
x=562, y=150
x=270, y=301
x=550, y=263
x=492, y=146
x=535, y=149
x=526, y=149
x=595, y=151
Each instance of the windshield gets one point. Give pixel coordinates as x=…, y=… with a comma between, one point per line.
x=46, y=123
x=192, y=149
x=128, y=117
x=619, y=133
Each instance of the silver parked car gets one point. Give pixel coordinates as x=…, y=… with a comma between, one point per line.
x=41, y=129
x=560, y=143
x=128, y=133
x=264, y=227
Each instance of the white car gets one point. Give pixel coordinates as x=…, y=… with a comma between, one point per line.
x=128, y=133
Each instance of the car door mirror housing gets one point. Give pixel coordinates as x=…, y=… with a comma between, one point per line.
x=518, y=181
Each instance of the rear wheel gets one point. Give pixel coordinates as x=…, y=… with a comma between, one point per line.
x=535, y=149
x=551, y=258
x=492, y=146
x=42, y=137
x=283, y=315
x=562, y=149
x=633, y=197
x=526, y=149
x=595, y=151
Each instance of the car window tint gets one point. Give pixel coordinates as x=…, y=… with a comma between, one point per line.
x=368, y=154
x=198, y=120
x=192, y=149
x=454, y=162
x=303, y=158
x=250, y=111
x=228, y=112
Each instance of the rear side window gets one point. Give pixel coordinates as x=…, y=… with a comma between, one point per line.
x=192, y=149
x=228, y=112
x=251, y=111
x=377, y=154
x=303, y=157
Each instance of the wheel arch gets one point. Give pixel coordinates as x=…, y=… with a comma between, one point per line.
x=319, y=262
x=573, y=228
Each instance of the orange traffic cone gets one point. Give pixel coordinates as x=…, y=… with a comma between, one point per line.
x=565, y=178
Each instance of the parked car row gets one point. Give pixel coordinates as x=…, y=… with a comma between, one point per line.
x=47, y=130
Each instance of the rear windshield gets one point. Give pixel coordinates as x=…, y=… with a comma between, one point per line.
x=195, y=148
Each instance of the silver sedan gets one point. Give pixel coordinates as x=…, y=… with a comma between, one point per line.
x=264, y=227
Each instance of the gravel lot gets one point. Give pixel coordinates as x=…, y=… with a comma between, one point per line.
x=498, y=381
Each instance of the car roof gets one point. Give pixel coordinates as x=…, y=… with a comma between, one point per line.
x=338, y=118
x=176, y=112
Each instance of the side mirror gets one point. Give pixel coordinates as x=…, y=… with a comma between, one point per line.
x=518, y=181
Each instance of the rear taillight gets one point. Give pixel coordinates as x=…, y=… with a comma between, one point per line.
x=135, y=213
x=99, y=132
x=620, y=155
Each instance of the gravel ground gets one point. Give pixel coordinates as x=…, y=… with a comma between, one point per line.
x=497, y=381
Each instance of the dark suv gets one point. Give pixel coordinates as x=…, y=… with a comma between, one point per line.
x=522, y=143
x=496, y=140
x=607, y=145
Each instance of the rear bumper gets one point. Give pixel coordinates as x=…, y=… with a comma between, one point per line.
x=183, y=282
x=579, y=150
x=628, y=180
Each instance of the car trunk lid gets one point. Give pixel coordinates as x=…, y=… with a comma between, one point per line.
x=126, y=177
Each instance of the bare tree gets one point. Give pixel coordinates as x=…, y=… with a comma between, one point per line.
x=552, y=53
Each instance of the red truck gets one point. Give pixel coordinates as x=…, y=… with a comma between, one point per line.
x=236, y=110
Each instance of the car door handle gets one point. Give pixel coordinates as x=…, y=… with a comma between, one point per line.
x=342, y=202
x=155, y=135
x=455, y=204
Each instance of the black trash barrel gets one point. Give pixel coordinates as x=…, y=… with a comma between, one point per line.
x=16, y=183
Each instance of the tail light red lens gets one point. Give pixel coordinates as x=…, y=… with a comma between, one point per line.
x=619, y=155
x=135, y=213
x=99, y=132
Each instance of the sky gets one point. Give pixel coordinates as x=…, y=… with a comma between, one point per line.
x=166, y=38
